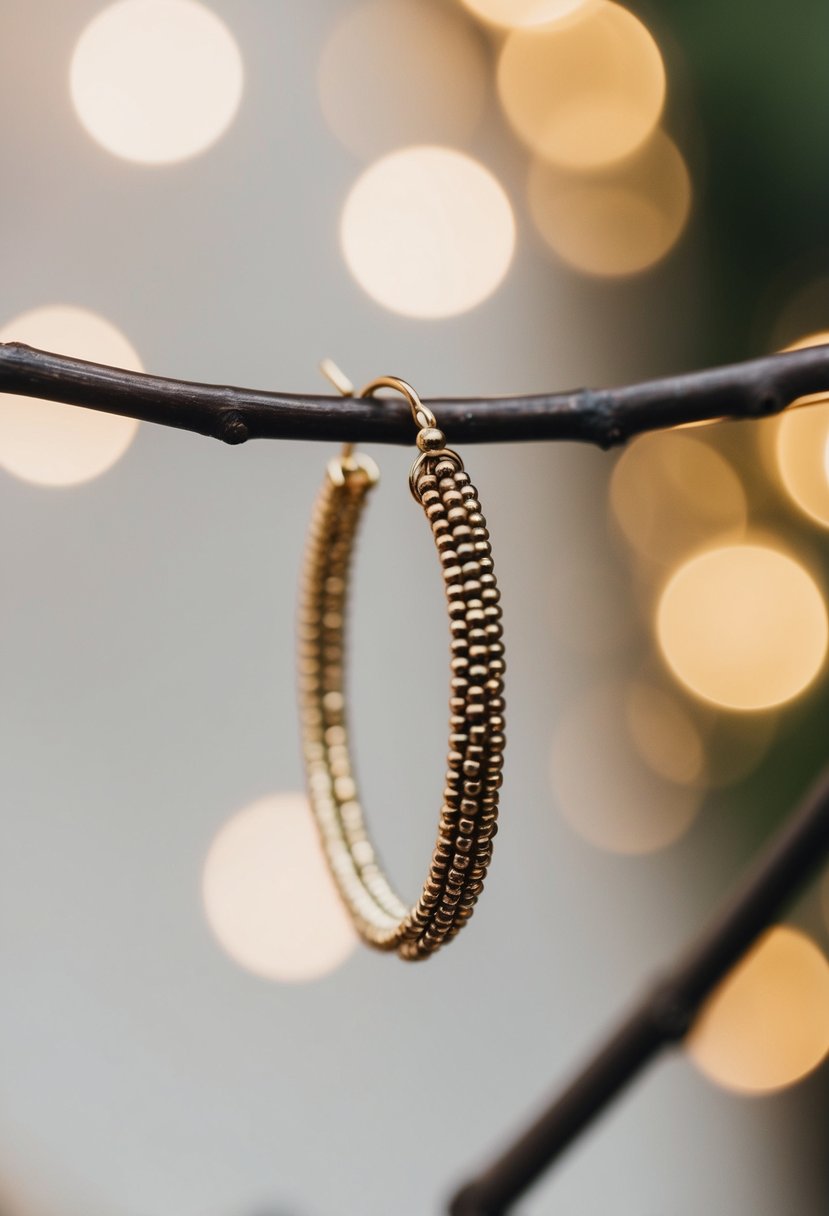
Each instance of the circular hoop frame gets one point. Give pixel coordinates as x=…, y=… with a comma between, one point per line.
x=468, y=817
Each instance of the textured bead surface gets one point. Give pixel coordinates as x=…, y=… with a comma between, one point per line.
x=476, y=740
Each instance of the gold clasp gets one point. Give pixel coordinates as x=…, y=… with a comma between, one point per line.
x=430, y=439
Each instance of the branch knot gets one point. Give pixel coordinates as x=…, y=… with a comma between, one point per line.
x=231, y=427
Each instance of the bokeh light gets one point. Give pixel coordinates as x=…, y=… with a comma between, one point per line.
x=49, y=443
x=802, y=446
x=664, y=733
x=604, y=788
x=515, y=13
x=767, y=1025
x=618, y=221
x=428, y=232
x=268, y=895
x=584, y=92
x=671, y=492
x=156, y=81
x=743, y=626
x=374, y=68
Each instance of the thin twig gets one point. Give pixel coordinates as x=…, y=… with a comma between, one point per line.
x=666, y=1013
x=606, y=417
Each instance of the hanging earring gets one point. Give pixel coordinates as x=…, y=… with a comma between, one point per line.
x=469, y=812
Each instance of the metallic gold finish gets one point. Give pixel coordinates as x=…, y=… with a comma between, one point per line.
x=430, y=439
x=468, y=816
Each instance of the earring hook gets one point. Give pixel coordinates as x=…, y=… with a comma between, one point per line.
x=430, y=439
x=422, y=415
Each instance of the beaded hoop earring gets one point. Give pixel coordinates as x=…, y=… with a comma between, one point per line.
x=469, y=812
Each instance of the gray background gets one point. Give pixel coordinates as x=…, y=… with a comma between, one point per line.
x=147, y=672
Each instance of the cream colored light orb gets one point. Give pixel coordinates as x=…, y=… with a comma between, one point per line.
x=585, y=92
x=47, y=442
x=617, y=222
x=374, y=69
x=156, y=81
x=743, y=626
x=268, y=896
x=428, y=232
x=767, y=1025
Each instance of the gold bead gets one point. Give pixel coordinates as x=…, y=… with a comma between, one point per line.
x=430, y=439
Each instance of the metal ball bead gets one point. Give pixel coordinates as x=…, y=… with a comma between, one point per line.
x=430, y=439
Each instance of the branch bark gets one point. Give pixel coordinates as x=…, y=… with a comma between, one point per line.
x=606, y=417
x=666, y=1013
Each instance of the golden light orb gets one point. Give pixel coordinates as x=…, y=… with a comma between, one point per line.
x=268, y=896
x=767, y=1025
x=156, y=81
x=428, y=232
x=615, y=222
x=49, y=443
x=802, y=446
x=671, y=492
x=585, y=92
x=743, y=626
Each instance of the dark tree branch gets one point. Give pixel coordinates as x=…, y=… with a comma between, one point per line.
x=602, y=416
x=667, y=1012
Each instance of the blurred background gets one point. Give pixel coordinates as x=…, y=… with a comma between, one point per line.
x=500, y=196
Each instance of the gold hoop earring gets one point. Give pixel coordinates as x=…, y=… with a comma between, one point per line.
x=468, y=817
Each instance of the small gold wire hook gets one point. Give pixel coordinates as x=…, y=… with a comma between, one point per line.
x=421, y=413
x=430, y=440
